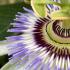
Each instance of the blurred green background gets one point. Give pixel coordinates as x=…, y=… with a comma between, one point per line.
x=8, y=10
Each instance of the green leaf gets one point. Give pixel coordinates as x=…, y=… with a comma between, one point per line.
x=3, y=60
x=7, y=14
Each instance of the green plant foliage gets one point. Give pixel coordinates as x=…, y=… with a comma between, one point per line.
x=7, y=14
x=3, y=60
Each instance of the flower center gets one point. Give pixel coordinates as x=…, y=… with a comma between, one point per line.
x=47, y=34
x=61, y=30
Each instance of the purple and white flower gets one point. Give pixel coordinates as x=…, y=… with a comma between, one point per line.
x=31, y=50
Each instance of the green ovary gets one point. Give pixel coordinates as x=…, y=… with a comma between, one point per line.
x=66, y=24
x=54, y=36
x=54, y=39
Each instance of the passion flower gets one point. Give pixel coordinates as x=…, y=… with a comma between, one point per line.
x=44, y=42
